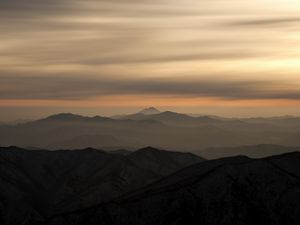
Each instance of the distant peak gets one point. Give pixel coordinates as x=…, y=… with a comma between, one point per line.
x=149, y=111
x=64, y=116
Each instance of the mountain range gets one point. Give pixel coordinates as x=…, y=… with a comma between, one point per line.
x=38, y=184
x=253, y=151
x=150, y=127
x=227, y=191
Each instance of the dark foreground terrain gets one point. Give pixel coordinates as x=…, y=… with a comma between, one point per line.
x=228, y=191
x=146, y=187
x=35, y=185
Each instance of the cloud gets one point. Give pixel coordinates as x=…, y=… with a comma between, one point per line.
x=158, y=38
x=80, y=88
x=118, y=32
x=277, y=21
x=29, y=9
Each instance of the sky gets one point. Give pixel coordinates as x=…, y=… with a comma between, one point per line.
x=223, y=57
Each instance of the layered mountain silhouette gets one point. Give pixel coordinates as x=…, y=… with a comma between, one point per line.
x=173, y=118
x=166, y=130
x=228, y=191
x=254, y=151
x=37, y=184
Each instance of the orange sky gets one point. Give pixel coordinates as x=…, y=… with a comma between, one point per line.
x=99, y=56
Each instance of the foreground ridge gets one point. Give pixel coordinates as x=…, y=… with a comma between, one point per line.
x=37, y=184
x=236, y=190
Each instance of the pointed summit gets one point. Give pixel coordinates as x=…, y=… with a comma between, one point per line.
x=149, y=111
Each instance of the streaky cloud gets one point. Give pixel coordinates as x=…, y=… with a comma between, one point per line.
x=57, y=87
x=277, y=21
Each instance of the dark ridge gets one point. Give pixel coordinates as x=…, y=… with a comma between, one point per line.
x=70, y=117
x=253, y=151
x=227, y=191
x=149, y=149
x=45, y=183
x=64, y=117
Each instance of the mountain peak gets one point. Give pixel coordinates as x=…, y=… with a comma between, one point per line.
x=149, y=111
x=148, y=149
x=63, y=117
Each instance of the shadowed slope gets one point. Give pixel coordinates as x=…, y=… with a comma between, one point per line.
x=228, y=191
x=37, y=184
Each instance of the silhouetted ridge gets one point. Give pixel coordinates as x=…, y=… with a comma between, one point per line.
x=229, y=191
x=92, y=150
x=69, y=117
x=39, y=184
x=253, y=151
x=64, y=117
x=149, y=149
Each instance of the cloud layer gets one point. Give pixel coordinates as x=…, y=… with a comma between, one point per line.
x=79, y=87
x=75, y=49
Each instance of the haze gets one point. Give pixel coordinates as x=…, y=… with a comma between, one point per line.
x=232, y=58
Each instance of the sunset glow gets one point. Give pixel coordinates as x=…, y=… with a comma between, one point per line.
x=129, y=54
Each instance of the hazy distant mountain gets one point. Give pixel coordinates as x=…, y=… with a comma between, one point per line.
x=168, y=130
x=69, y=117
x=149, y=111
x=74, y=131
x=82, y=141
x=228, y=191
x=256, y=151
x=36, y=184
x=15, y=122
x=19, y=121
x=169, y=116
x=146, y=111
x=290, y=121
x=64, y=117
x=173, y=118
